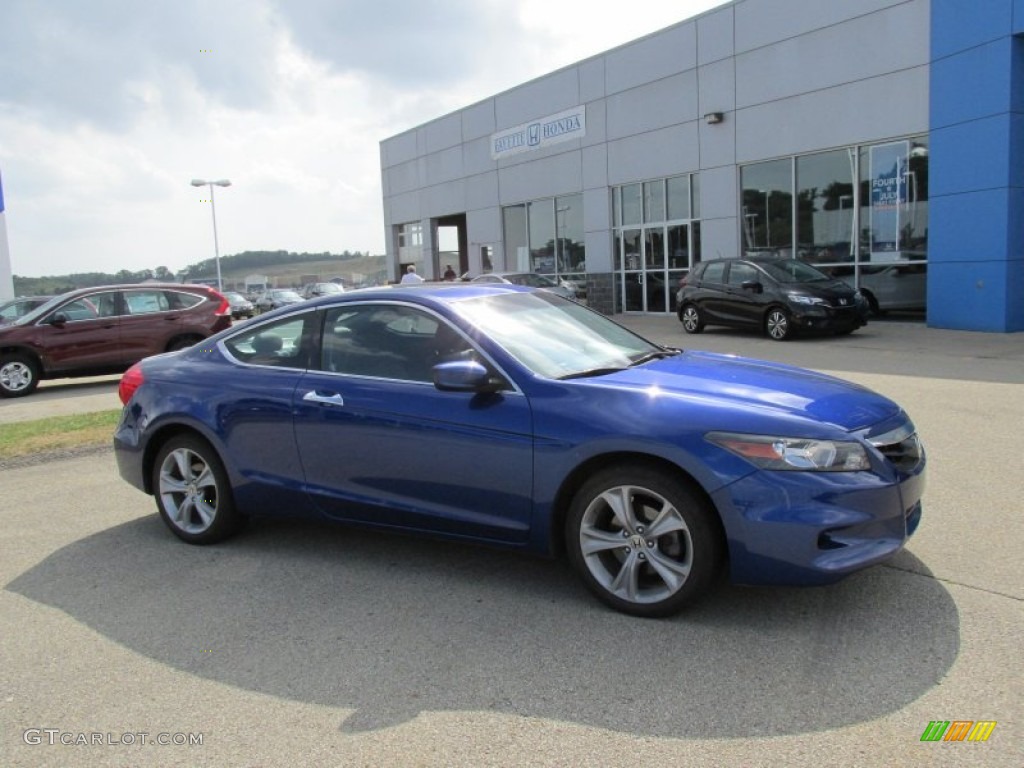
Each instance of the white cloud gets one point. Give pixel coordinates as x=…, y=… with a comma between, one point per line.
x=109, y=110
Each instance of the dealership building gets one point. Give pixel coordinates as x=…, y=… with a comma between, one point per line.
x=882, y=140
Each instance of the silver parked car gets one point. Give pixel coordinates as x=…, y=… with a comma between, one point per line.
x=529, y=279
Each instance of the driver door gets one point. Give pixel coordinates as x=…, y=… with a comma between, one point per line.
x=380, y=444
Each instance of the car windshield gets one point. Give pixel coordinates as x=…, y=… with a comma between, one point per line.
x=231, y=296
x=328, y=288
x=793, y=271
x=555, y=337
x=35, y=314
x=287, y=295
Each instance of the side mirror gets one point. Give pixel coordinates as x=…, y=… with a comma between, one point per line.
x=58, y=319
x=463, y=376
x=752, y=286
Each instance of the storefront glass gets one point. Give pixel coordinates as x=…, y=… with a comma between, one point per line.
x=653, y=256
x=861, y=215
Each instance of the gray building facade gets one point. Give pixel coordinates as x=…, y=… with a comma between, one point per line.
x=795, y=127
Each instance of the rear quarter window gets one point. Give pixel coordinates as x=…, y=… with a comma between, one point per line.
x=180, y=300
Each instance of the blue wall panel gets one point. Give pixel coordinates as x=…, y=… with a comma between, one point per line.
x=1018, y=17
x=984, y=72
x=969, y=227
x=971, y=156
x=973, y=296
x=961, y=24
x=976, y=200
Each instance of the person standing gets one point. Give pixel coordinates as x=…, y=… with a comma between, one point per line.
x=449, y=274
x=410, y=275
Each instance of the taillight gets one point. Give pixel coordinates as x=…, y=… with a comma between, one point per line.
x=130, y=381
x=225, y=305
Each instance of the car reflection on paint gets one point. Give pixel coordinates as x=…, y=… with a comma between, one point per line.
x=517, y=418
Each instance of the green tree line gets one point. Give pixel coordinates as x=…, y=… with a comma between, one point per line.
x=247, y=261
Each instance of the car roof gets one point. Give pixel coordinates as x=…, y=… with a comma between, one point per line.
x=428, y=293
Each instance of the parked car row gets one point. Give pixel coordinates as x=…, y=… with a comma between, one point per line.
x=105, y=329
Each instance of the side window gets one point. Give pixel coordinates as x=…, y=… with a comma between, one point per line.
x=286, y=343
x=89, y=307
x=145, y=302
x=714, y=272
x=181, y=300
x=388, y=342
x=740, y=273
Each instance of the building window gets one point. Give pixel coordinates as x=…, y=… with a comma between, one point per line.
x=657, y=240
x=546, y=236
x=858, y=213
x=409, y=238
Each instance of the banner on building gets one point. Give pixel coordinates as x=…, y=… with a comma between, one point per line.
x=888, y=174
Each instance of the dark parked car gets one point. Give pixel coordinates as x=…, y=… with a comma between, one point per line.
x=529, y=279
x=277, y=297
x=240, y=306
x=518, y=418
x=780, y=297
x=15, y=308
x=104, y=330
x=313, y=290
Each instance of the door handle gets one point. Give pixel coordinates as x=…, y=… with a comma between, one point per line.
x=326, y=399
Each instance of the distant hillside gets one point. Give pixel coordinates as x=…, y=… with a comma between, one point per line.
x=283, y=268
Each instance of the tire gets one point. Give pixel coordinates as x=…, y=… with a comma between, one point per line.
x=653, y=572
x=192, y=491
x=691, y=319
x=777, y=324
x=873, y=307
x=182, y=342
x=19, y=375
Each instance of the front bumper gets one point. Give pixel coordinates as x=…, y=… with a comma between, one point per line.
x=826, y=319
x=816, y=527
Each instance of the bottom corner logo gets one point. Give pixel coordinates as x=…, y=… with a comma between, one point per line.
x=958, y=730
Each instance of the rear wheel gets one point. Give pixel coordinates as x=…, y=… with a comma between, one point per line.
x=777, y=324
x=644, y=542
x=19, y=375
x=192, y=491
x=691, y=319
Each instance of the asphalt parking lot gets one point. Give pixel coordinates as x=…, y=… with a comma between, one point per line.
x=313, y=645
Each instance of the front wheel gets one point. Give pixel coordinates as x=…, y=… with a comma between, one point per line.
x=643, y=541
x=691, y=319
x=777, y=324
x=192, y=491
x=19, y=376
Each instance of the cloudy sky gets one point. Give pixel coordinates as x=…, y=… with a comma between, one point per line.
x=108, y=108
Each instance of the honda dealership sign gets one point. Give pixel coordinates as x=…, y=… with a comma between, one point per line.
x=571, y=124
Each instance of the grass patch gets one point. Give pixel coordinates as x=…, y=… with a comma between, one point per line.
x=23, y=438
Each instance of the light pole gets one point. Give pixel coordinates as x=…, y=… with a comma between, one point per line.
x=767, y=220
x=213, y=210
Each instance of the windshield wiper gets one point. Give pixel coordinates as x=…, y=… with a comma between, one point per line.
x=661, y=354
x=591, y=372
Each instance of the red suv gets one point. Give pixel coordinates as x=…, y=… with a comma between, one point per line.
x=94, y=331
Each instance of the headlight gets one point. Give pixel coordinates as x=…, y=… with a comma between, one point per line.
x=794, y=453
x=797, y=298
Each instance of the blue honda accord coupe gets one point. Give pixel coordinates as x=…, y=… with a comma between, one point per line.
x=518, y=418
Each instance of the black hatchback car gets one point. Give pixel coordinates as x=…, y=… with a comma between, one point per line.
x=777, y=296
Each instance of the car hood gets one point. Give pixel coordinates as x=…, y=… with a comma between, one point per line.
x=831, y=289
x=757, y=384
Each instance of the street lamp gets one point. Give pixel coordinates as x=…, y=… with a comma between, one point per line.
x=213, y=209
